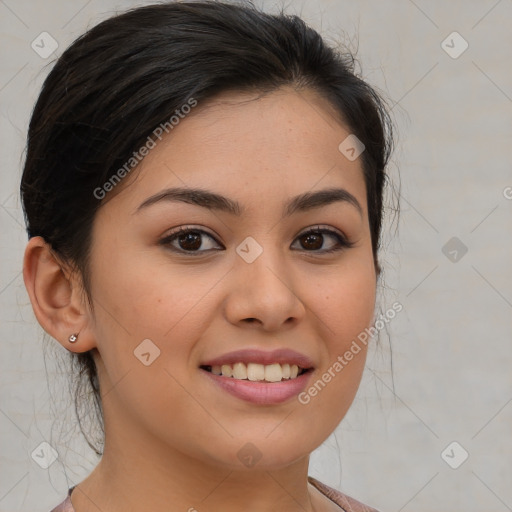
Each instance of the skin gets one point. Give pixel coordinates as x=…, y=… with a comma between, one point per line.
x=171, y=436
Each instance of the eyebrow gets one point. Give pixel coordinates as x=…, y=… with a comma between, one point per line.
x=214, y=201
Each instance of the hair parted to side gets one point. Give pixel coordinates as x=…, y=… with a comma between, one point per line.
x=128, y=74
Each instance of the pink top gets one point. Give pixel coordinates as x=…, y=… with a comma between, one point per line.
x=346, y=503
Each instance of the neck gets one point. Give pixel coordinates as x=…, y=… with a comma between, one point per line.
x=144, y=475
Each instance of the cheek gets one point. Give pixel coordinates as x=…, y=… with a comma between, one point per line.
x=344, y=302
x=144, y=294
x=344, y=306
x=150, y=378
x=351, y=311
x=137, y=301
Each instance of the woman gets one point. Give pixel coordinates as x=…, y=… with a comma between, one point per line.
x=203, y=196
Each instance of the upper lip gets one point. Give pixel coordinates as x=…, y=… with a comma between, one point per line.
x=281, y=356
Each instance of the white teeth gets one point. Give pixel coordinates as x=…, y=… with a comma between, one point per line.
x=226, y=370
x=239, y=371
x=257, y=372
x=273, y=373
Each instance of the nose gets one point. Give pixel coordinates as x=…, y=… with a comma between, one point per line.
x=263, y=293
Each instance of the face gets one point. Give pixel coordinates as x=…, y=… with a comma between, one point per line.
x=253, y=277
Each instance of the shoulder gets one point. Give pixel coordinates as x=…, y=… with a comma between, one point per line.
x=345, y=502
x=66, y=505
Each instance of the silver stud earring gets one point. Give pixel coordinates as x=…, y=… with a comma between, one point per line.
x=73, y=338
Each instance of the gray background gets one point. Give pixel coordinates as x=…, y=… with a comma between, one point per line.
x=451, y=344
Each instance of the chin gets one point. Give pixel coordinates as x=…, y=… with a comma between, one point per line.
x=253, y=453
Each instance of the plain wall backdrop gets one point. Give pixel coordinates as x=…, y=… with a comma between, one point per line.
x=446, y=69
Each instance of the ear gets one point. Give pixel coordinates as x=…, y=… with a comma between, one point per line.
x=56, y=297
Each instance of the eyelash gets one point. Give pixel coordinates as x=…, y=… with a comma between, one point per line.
x=343, y=243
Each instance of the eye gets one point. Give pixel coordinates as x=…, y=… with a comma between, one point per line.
x=188, y=240
x=313, y=240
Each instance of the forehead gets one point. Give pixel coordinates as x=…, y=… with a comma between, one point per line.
x=251, y=145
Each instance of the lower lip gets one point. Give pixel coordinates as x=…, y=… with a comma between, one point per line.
x=265, y=393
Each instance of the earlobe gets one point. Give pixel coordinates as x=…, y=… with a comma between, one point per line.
x=56, y=297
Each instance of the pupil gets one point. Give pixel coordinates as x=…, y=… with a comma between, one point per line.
x=311, y=238
x=188, y=239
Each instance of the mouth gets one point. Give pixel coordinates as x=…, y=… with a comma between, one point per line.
x=263, y=385
x=258, y=376
x=255, y=372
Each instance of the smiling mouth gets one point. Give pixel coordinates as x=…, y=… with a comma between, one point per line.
x=257, y=372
